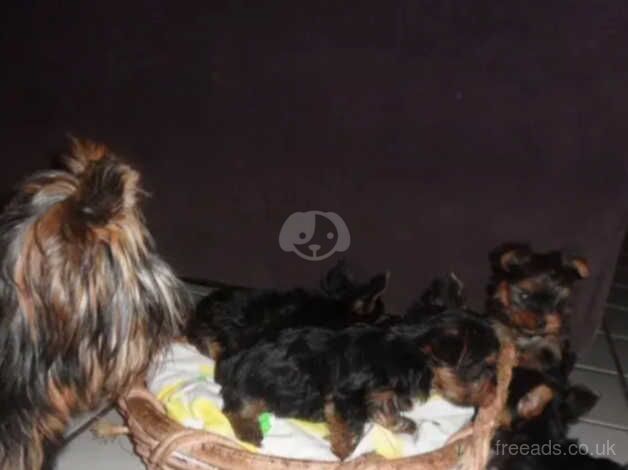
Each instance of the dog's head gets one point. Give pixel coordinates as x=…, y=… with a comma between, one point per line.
x=530, y=290
x=462, y=351
x=364, y=299
x=88, y=282
x=442, y=294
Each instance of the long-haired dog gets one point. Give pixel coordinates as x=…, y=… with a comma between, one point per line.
x=232, y=319
x=528, y=294
x=85, y=302
x=361, y=373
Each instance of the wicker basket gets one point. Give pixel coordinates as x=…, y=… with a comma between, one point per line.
x=165, y=444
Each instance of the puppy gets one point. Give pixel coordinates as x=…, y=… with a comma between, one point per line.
x=363, y=299
x=361, y=373
x=442, y=294
x=233, y=319
x=85, y=301
x=535, y=424
x=531, y=391
x=528, y=295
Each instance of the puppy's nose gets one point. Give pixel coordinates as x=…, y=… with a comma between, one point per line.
x=314, y=247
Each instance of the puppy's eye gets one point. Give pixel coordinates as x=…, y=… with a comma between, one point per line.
x=524, y=295
x=302, y=235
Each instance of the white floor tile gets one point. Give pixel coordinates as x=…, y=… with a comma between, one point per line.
x=599, y=355
x=612, y=407
x=600, y=440
x=617, y=319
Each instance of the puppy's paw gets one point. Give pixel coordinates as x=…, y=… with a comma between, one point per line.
x=103, y=429
x=247, y=429
x=406, y=426
x=342, y=437
x=343, y=445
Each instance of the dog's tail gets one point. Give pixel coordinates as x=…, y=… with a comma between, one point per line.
x=107, y=187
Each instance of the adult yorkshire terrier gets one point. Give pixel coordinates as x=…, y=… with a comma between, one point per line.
x=85, y=302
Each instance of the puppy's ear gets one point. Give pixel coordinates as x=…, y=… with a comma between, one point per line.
x=534, y=402
x=338, y=281
x=442, y=294
x=514, y=258
x=368, y=295
x=578, y=267
x=455, y=292
x=578, y=401
x=510, y=257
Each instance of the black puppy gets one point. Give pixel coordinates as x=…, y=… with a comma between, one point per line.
x=528, y=294
x=232, y=319
x=363, y=372
x=364, y=299
x=442, y=294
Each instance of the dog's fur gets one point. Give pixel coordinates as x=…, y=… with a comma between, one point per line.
x=230, y=320
x=443, y=293
x=85, y=302
x=528, y=294
x=531, y=391
x=362, y=372
x=539, y=411
x=363, y=300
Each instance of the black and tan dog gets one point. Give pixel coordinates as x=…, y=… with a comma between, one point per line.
x=443, y=293
x=361, y=373
x=528, y=295
x=85, y=301
x=233, y=319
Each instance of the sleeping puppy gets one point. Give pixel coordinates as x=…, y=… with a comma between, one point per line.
x=361, y=373
x=232, y=319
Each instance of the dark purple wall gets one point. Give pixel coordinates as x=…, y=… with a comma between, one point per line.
x=435, y=129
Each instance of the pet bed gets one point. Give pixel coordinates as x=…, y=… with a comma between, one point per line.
x=183, y=391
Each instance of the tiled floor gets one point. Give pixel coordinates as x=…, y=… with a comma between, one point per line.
x=606, y=424
x=86, y=452
x=609, y=419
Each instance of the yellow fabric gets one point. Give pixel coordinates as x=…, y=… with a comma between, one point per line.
x=183, y=382
x=181, y=410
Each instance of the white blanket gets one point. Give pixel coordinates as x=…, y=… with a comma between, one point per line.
x=182, y=379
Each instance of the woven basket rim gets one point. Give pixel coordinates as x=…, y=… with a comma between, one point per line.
x=165, y=444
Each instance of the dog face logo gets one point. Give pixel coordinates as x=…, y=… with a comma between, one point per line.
x=314, y=235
